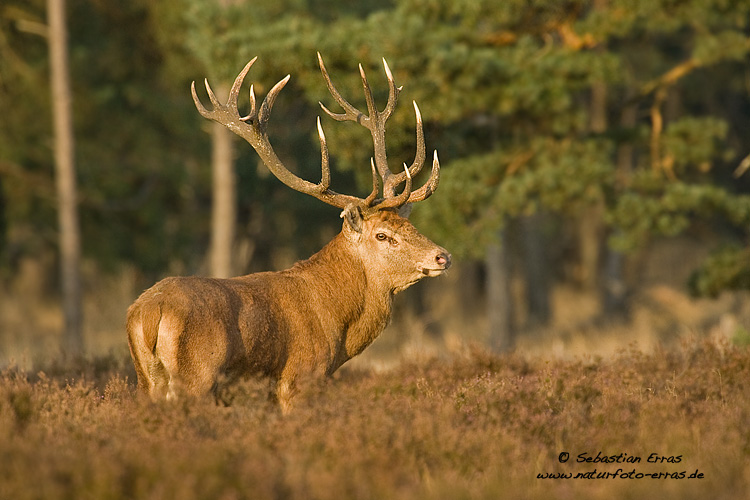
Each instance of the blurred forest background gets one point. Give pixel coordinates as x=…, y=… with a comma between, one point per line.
x=593, y=152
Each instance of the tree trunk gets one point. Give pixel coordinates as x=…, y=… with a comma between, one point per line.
x=536, y=270
x=590, y=236
x=65, y=180
x=591, y=224
x=614, y=298
x=499, y=299
x=224, y=212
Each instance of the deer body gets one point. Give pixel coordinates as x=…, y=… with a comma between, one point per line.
x=192, y=335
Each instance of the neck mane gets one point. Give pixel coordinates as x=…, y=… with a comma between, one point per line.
x=359, y=304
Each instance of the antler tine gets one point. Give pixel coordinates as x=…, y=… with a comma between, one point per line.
x=252, y=114
x=371, y=109
x=234, y=92
x=350, y=112
x=325, y=178
x=393, y=92
x=431, y=185
x=374, y=193
x=265, y=107
x=199, y=106
x=211, y=96
x=419, y=157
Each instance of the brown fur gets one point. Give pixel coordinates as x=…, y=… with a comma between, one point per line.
x=193, y=335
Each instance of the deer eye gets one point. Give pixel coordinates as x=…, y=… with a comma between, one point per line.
x=381, y=237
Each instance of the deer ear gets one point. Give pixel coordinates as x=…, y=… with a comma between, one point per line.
x=352, y=214
x=405, y=210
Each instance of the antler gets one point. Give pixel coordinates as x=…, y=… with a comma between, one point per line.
x=375, y=123
x=253, y=127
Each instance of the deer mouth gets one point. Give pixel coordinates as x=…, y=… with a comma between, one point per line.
x=440, y=264
x=431, y=272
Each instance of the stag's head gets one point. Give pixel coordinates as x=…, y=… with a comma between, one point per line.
x=377, y=226
x=392, y=248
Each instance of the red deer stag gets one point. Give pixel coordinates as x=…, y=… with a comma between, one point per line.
x=192, y=335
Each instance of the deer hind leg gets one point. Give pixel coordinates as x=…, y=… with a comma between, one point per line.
x=166, y=382
x=152, y=375
x=286, y=389
x=160, y=380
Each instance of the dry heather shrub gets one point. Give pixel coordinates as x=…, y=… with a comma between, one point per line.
x=478, y=426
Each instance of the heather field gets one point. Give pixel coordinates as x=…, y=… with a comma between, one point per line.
x=672, y=424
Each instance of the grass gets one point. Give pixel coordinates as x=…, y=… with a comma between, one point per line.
x=473, y=426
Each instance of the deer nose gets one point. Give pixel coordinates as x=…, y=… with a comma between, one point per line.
x=443, y=259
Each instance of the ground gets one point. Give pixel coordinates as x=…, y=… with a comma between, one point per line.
x=671, y=423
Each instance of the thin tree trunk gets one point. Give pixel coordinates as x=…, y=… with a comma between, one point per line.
x=614, y=298
x=536, y=270
x=499, y=300
x=65, y=179
x=224, y=213
x=591, y=223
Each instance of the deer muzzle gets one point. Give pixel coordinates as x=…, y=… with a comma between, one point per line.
x=442, y=261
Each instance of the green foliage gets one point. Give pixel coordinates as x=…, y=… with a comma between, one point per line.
x=695, y=142
x=131, y=144
x=667, y=209
x=562, y=176
x=506, y=89
x=727, y=269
